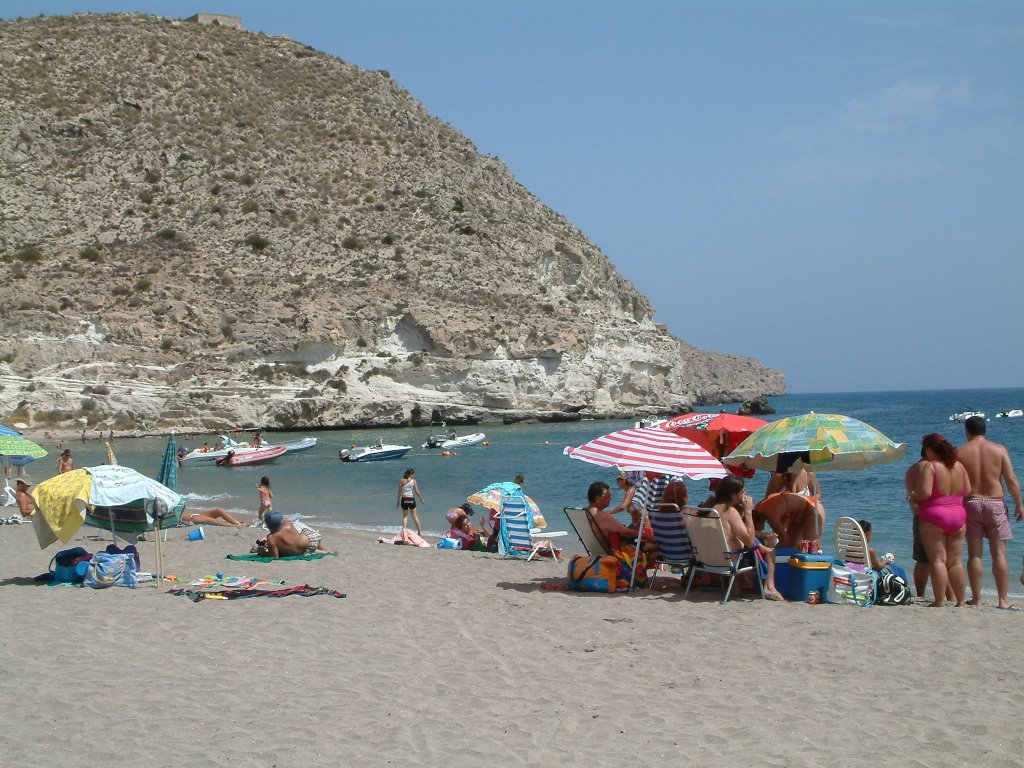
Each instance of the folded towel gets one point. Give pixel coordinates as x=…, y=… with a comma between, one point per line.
x=267, y=559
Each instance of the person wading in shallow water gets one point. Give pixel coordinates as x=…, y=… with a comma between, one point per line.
x=64, y=462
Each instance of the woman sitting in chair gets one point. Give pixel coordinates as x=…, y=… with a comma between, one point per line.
x=736, y=510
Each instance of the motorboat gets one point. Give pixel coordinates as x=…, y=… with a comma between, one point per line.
x=965, y=415
x=449, y=439
x=379, y=451
x=649, y=421
x=1012, y=414
x=211, y=455
x=251, y=456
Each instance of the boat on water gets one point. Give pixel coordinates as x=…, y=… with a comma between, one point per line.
x=649, y=421
x=449, y=439
x=1011, y=414
x=965, y=415
x=379, y=451
x=210, y=456
x=252, y=456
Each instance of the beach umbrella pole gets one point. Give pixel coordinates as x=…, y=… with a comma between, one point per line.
x=636, y=550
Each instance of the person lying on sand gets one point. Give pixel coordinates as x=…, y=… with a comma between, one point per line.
x=287, y=538
x=216, y=516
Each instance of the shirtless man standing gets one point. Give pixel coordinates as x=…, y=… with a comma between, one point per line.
x=988, y=467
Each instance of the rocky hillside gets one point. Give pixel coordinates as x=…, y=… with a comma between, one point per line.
x=206, y=227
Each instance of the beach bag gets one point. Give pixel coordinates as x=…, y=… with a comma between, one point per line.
x=109, y=570
x=447, y=543
x=594, y=573
x=851, y=587
x=69, y=565
x=892, y=588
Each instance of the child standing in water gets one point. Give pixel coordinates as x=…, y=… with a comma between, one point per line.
x=408, y=490
x=266, y=501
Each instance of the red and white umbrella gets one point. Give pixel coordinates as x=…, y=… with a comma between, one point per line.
x=650, y=450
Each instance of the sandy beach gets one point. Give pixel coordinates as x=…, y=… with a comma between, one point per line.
x=461, y=659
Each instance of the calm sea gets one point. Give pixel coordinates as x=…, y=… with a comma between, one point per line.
x=330, y=493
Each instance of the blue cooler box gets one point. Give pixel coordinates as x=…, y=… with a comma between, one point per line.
x=805, y=573
x=782, y=555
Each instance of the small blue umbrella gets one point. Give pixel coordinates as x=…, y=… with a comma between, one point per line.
x=169, y=468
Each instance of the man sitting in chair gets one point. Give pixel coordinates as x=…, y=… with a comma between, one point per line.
x=736, y=510
x=615, y=533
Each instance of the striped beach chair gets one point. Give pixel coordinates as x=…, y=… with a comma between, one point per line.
x=519, y=538
x=674, y=548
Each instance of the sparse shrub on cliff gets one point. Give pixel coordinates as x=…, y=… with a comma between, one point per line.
x=152, y=176
x=250, y=206
x=167, y=233
x=257, y=241
x=28, y=254
x=352, y=242
x=143, y=284
x=166, y=344
x=91, y=253
x=146, y=196
x=96, y=389
x=120, y=290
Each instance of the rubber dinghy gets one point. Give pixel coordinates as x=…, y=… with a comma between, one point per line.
x=254, y=456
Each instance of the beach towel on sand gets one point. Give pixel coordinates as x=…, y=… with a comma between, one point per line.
x=305, y=590
x=268, y=559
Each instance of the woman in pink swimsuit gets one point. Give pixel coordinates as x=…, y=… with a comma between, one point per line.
x=939, y=494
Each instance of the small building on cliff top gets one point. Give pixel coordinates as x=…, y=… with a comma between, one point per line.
x=217, y=19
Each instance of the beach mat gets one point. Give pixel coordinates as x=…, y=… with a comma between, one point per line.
x=267, y=559
x=306, y=590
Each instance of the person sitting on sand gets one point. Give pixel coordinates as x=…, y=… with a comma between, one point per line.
x=736, y=510
x=287, y=538
x=464, y=531
x=26, y=504
x=216, y=516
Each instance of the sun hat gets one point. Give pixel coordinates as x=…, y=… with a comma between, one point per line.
x=273, y=520
x=25, y=480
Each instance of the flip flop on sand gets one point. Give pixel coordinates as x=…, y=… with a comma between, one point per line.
x=1007, y=608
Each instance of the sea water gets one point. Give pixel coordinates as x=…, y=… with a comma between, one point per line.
x=330, y=493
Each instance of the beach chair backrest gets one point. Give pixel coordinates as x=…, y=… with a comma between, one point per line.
x=586, y=528
x=516, y=522
x=707, y=536
x=851, y=543
x=670, y=534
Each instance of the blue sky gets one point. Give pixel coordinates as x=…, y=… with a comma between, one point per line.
x=836, y=189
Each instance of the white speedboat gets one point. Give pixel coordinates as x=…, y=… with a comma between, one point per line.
x=210, y=456
x=1013, y=414
x=649, y=421
x=965, y=415
x=449, y=439
x=379, y=451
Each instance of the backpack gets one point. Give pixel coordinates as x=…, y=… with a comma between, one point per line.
x=893, y=589
x=68, y=566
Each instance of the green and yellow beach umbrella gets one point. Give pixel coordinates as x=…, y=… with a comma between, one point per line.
x=16, y=445
x=817, y=441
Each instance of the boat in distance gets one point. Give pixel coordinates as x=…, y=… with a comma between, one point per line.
x=379, y=451
x=252, y=456
x=210, y=456
x=965, y=415
x=449, y=439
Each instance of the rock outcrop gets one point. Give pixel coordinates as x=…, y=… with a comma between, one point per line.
x=206, y=227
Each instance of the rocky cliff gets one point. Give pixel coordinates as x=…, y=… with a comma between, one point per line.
x=205, y=227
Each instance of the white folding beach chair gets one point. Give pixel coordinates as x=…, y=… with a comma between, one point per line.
x=590, y=535
x=711, y=550
x=518, y=536
x=852, y=585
